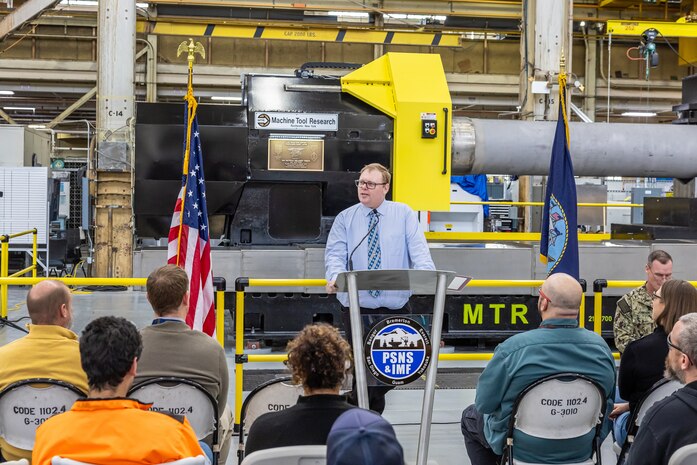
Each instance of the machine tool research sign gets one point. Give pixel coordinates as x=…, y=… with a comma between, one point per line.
x=273, y=120
x=397, y=350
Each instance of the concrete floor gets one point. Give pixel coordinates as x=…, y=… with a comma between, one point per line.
x=403, y=408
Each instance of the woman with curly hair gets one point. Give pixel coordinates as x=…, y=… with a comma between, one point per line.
x=318, y=359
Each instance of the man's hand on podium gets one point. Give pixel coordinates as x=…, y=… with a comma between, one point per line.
x=331, y=287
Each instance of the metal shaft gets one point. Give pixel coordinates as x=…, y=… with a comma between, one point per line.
x=357, y=341
x=430, y=389
x=597, y=149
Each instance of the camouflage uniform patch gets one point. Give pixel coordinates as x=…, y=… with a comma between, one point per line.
x=633, y=317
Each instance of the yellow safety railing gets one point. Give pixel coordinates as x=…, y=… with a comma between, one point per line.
x=241, y=358
x=599, y=285
x=4, y=263
x=218, y=283
x=540, y=204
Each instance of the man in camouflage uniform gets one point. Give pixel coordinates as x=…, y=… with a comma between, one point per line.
x=633, y=314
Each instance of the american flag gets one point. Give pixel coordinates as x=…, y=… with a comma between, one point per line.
x=189, y=240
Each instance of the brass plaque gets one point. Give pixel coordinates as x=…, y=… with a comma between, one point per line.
x=296, y=154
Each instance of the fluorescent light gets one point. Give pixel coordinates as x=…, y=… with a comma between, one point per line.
x=639, y=114
x=349, y=14
x=32, y=109
x=37, y=126
x=226, y=98
x=6, y=92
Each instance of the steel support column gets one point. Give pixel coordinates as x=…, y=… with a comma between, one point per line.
x=115, y=105
x=591, y=73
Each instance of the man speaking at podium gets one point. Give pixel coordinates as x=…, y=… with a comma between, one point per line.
x=375, y=234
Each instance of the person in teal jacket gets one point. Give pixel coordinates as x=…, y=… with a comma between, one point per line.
x=557, y=346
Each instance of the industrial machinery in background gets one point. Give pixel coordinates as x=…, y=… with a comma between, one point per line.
x=282, y=164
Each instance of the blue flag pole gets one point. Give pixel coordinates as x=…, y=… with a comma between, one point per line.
x=559, y=238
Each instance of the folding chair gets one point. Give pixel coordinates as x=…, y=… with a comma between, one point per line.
x=659, y=391
x=558, y=407
x=181, y=396
x=198, y=460
x=291, y=455
x=26, y=404
x=686, y=455
x=278, y=392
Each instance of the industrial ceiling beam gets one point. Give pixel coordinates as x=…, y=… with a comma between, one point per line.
x=7, y=117
x=24, y=13
x=637, y=28
x=68, y=111
x=475, y=8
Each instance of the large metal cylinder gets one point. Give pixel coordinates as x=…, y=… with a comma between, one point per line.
x=597, y=149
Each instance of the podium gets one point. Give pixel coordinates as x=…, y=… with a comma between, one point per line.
x=417, y=281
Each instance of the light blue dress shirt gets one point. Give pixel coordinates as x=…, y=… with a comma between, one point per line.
x=402, y=244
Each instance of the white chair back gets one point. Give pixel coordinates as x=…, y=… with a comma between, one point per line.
x=27, y=404
x=269, y=397
x=686, y=455
x=17, y=462
x=180, y=399
x=291, y=455
x=199, y=460
x=559, y=409
x=655, y=395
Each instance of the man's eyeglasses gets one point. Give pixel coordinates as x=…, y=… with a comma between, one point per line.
x=655, y=296
x=368, y=184
x=544, y=296
x=661, y=276
x=673, y=346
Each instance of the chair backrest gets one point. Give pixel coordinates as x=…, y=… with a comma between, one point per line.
x=181, y=397
x=561, y=406
x=26, y=404
x=686, y=455
x=16, y=462
x=658, y=391
x=290, y=455
x=198, y=460
x=272, y=396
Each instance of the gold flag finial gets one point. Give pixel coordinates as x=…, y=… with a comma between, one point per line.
x=192, y=48
x=562, y=63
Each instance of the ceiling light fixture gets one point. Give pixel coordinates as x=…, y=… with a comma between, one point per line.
x=32, y=109
x=226, y=98
x=639, y=114
x=6, y=92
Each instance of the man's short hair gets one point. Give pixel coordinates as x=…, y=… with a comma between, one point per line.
x=108, y=346
x=319, y=357
x=166, y=287
x=386, y=176
x=680, y=298
x=688, y=335
x=44, y=304
x=661, y=256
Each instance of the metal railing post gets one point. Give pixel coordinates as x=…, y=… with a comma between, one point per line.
x=598, y=286
x=240, y=285
x=4, y=267
x=582, y=309
x=219, y=285
x=34, y=251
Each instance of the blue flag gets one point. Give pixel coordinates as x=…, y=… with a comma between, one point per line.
x=559, y=240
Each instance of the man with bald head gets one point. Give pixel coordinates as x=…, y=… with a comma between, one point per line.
x=557, y=346
x=50, y=350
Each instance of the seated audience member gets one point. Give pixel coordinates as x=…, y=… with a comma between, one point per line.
x=557, y=346
x=318, y=359
x=362, y=437
x=172, y=348
x=50, y=350
x=643, y=360
x=670, y=423
x=107, y=428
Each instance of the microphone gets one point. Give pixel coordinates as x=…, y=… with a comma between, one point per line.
x=350, y=261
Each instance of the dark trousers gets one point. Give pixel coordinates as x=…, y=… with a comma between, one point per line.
x=376, y=392
x=478, y=450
